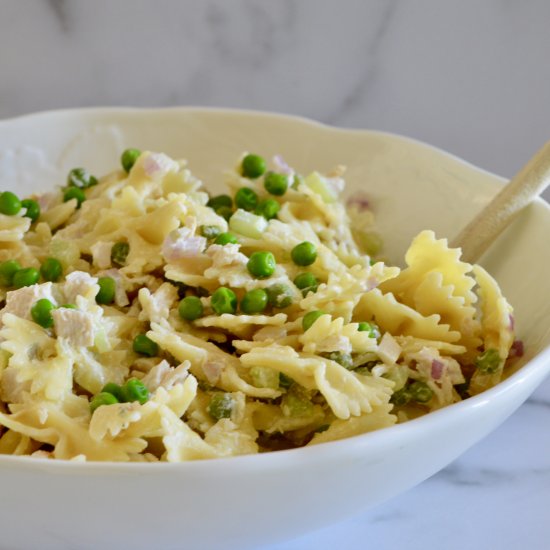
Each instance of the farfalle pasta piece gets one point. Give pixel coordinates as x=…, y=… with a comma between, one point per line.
x=432, y=297
x=379, y=417
x=241, y=325
x=13, y=228
x=497, y=327
x=155, y=307
x=328, y=334
x=47, y=424
x=427, y=255
x=180, y=441
x=204, y=356
x=15, y=443
x=36, y=359
x=341, y=293
x=399, y=319
x=347, y=393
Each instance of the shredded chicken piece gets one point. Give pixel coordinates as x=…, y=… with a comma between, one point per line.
x=75, y=326
x=19, y=302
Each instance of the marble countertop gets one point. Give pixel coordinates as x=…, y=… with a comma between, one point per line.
x=470, y=77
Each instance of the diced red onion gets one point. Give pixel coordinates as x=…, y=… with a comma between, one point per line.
x=437, y=369
x=372, y=282
x=282, y=166
x=45, y=200
x=512, y=322
x=358, y=201
x=151, y=166
x=212, y=370
x=182, y=247
x=517, y=349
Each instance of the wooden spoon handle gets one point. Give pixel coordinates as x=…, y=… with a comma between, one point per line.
x=529, y=183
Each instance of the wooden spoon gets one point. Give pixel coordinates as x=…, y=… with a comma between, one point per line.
x=528, y=184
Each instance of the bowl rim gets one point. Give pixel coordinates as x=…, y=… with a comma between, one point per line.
x=534, y=367
x=290, y=118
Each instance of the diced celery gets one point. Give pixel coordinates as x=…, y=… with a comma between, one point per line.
x=248, y=224
x=67, y=252
x=101, y=342
x=398, y=374
x=296, y=402
x=265, y=377
x=316, y=182
x=174, y=182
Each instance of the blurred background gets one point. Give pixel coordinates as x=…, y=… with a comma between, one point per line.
x=467, y=76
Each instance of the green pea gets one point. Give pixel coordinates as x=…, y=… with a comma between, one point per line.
x=7, y=270
x=279, y=295
x=306, y=282
x=252, y=166
x=113, y=389
x=371, y=328
x=268, y=208
x=261, y=264
x=254, y=301
x=119, y=253
x=219, y=201
x=33, y=209
x=341, y=358
x=81, y=178
x=210, y=231
x=304, y=253
x=225, y=212
x=224, y=300
x=488, y=362
x=9, y=203
x=68, y=306
x=401, y=397
x=143, y=345
x=128, y=159
x=107, y=287
x=41, y=313
x=74, y=193
x=51, y=269
x=309, y=318
x=246, y=199
x=190, y=308
x=226, y=238
x=221, y=406
x=420, y=392
x=27, y=276
x=101, y=399
x=134, y=390
x=276, y=184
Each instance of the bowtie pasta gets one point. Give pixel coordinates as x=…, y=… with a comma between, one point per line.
x=143, y=319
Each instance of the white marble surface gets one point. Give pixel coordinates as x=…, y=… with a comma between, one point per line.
x=471, y=77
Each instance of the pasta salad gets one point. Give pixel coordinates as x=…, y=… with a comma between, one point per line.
x=143, y=319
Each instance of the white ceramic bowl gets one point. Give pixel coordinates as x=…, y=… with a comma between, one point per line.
x=252, y=500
